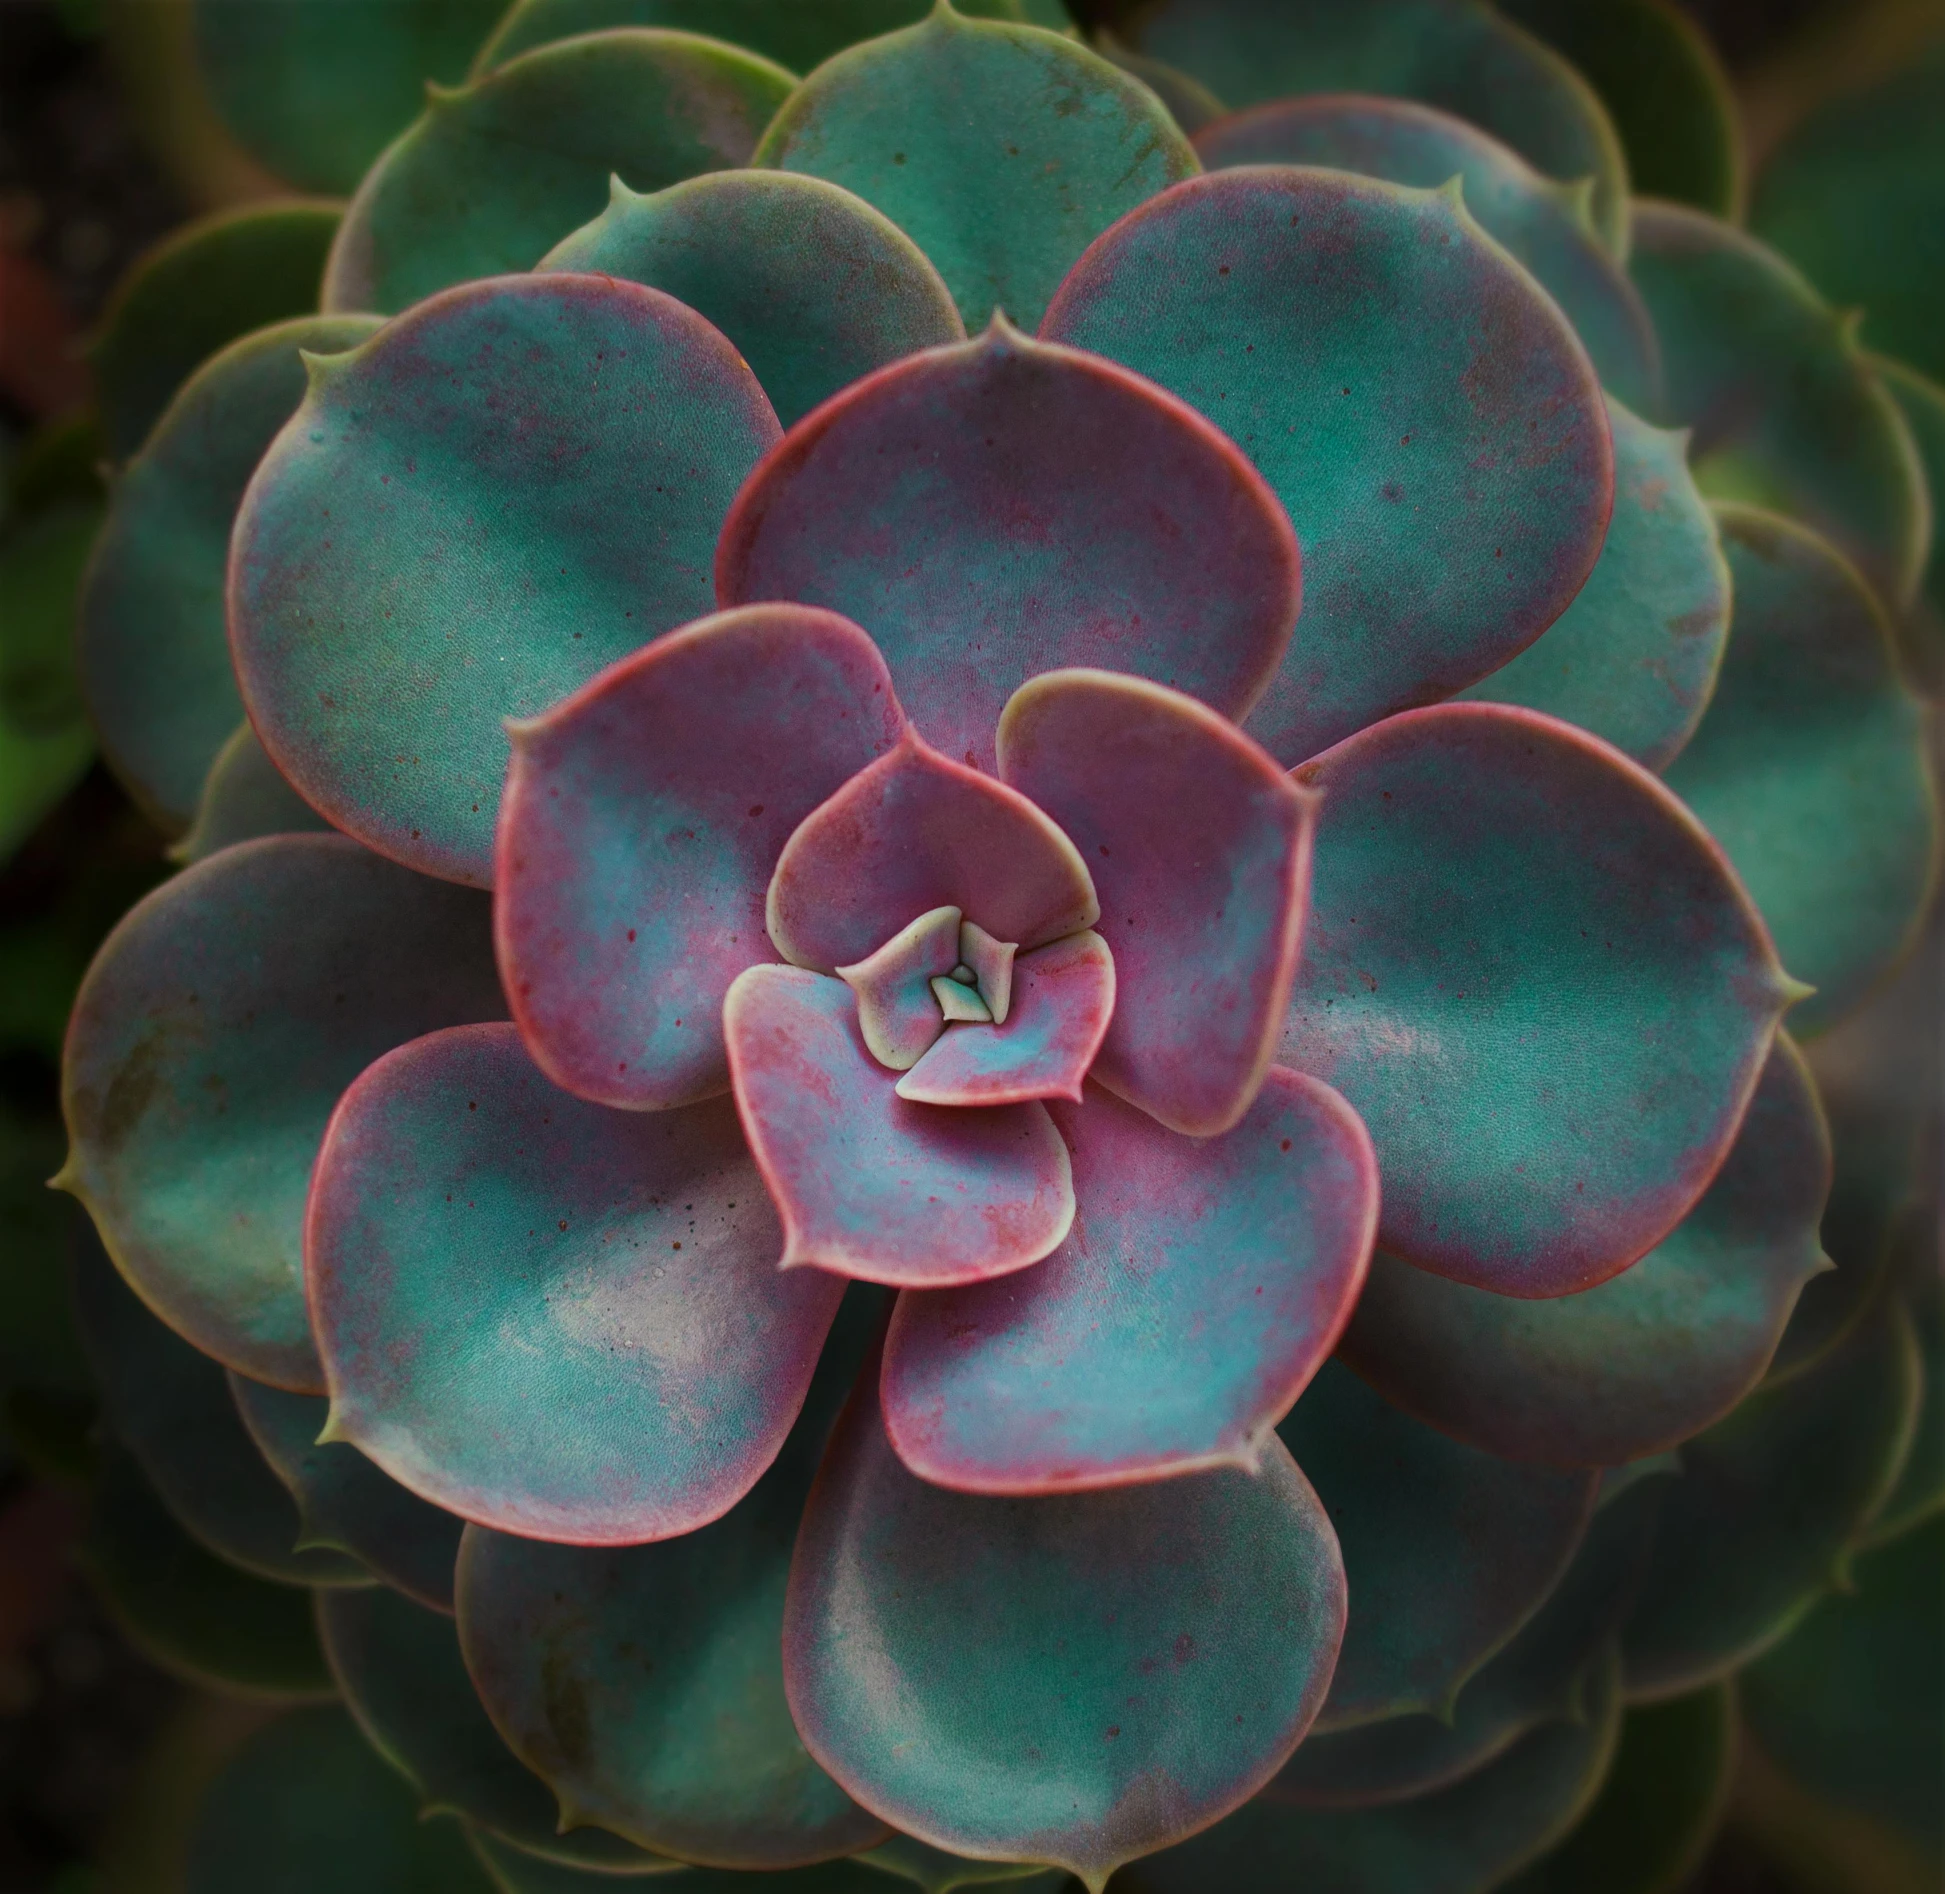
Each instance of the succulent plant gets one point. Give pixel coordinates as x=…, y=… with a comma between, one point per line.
x=974, y=1071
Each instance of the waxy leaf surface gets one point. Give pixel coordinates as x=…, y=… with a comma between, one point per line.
x=155, y=658
x=1538, y=983
x=1075, y=1679
x=1378, y=401
x=644, y=1684
x=345, y=1502
x=548, y=1316
x=640, y=824
x=1785, y=408
x=495, y=173
x=1642, y=1361
x=1001, y=151
x=1000, y=509
x=1202, y=1284
x=245, y=797
x=1635, y=656
x=815, y=287
x=501, y=493
x=1543, y=223
x=868, y=1185
x=1447, y=1551
x=213, y=1035
x=1810, y=766
x=1199, y=847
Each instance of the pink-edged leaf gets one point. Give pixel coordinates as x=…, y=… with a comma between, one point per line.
x=1076, y=1678
x=868, y=1185
x=1005, y=507
x=898, y=1012
x=914, y=832
x=1203, y=1282
x=1062, y=998
x=546, y=1316
x=1540, y=984
x=638, y=829
x=1199, y=846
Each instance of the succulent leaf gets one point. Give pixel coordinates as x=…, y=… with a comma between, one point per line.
x=868, y=1185
x=1435, y=1589
x=245, y=797
x=1377, y=402
x=212, y=1036
x=644, y=1684
x=1921, y=630
x=1541, y=222
x=1462, y=57
x=173, y=1409
x=346, y=1503
x=1474, y=866
x=1204, y=1282
x=375, y=616
x=1005, y=508
x=493, y=174
x=402, y=1676
x=1635, y=656
x=1640, y=1362
x=1460, y=1840
x=814, y=287
x=1073, y=1679
x=640, y=823
x=1002, y=151
x=155, y=655
x=203, y=286
x=1770, y=1500
x=1785, y=407
x=1190, y=103
x=1810, y=766
x=548, y=1316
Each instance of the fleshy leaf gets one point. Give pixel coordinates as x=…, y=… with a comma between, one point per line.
x=317, y=92
x=1543, y=224
x=1061, y=999
x=1447, y=1551
x=1073, y=1679
x=1757, y=1528
x=1635, y=656
x=1644, y=1360
x=1810, y=766
x=1537, y=981
x=1659, y=1808
x=1004, y=508
x=1784, y=406
x=1200, y=851
x=382, y=627
x=1921, y=630
x=171, y=1406
x=245, y=797
x=870, y=1186
x=495, y=173
x=638, y=829
x=644, y=1684
x=343, y=1501
x=814, y=287
x=914, y=832
x=201, y=287
x=1202, y=1285
x=548, y=1316
x=1463, y=58
x=787, y=31
x=1543, y=1674
x=306, y=1807
x=1002, y=151
x=155, y=660
x=1377, y=401
x=899, y=1015
x=197, y=1616
x=402, y=1675
x=214, y=1033
x=1460, y=1840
